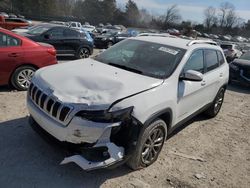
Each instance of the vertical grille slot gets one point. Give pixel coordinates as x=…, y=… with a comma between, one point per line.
x=55, y=109
x=33, y=93
x=49, y=105
x=43, y=98
x=38, y=95
x=64, y=112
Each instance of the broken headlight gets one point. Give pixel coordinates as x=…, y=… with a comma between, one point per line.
x=104, y=116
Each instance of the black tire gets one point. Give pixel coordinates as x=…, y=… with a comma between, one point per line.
x=137, y=160
x=109, y=44
x=21, y=77
x=82, y=53
x=214, y=109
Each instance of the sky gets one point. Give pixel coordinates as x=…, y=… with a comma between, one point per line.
x=192, y=10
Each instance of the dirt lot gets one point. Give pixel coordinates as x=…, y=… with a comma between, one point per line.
x=221, y=147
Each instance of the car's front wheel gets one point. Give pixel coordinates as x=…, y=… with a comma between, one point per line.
x=149, y=145
x=22, y=76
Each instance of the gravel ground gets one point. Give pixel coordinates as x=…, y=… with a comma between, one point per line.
x=203, y=153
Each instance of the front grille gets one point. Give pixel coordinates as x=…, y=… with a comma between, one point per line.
x=53, y=107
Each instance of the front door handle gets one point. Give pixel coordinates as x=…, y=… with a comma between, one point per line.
x=203, y=83
x=221, y=75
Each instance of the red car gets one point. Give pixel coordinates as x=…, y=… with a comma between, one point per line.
x=20, y=57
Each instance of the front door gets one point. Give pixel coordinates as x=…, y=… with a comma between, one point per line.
x=191, y=94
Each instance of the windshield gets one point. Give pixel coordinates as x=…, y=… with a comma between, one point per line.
x=147, y=58
x=38, y=30
x=246, y=56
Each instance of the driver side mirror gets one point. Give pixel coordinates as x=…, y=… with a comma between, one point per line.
x=192, y=75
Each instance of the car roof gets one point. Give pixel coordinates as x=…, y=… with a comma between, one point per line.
x=178, y=42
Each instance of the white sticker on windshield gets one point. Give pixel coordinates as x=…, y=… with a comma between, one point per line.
x=168, y=50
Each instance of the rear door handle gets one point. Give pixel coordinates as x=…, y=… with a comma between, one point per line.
x=221, y=75
x=13, y=55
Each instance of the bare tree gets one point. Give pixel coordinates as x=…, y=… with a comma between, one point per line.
x=227, y=15
x=172, y=16
x=210, y=17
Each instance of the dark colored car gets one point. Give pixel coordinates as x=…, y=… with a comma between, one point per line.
x=66, y=41
x=240, y=69
x=109, y=39
x=21, y=57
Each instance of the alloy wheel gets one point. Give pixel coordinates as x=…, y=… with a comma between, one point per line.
x=152, y=146
x=24, y=77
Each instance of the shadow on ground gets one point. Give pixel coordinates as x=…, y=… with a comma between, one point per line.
x=26, y=160
x=239, y=88
x=6, y=88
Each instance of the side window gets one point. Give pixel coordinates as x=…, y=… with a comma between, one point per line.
x=195, y=62
x=56, y=32
x=71, y=33
x=6, y=40
x=211, y=60
x=73, y=24
x=220, y=58
x=79, y=25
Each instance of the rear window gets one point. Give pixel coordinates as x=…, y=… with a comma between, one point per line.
x=7, y=41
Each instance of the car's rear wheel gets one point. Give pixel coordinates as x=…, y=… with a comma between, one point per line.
x=214, y=109
x=22, y=76
x=149, y=145
x=83, y=53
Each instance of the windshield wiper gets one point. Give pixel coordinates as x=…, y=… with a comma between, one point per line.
x=126, y=68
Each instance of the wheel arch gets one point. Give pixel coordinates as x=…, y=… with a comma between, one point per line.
x=166, y=115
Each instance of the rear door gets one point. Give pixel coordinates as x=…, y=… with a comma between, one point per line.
x=214, y=74
x=11, y=55
x=72, y=40
x=55, y=38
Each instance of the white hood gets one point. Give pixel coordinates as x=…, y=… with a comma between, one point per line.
x=91, y=83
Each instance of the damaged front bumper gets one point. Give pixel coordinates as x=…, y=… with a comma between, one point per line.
x=108, y=141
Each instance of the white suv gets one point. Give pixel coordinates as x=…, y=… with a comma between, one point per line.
x=121, y=105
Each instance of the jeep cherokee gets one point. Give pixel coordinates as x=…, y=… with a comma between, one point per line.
x=121, y=105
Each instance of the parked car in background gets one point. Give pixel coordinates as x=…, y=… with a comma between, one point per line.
x=109, y=39
x=12, y=15
x=226, y=37
x=240, y=69
x=205, y=35
x=9, y=23
x=174, y=32
x=123, y=104
x=231, y=51
x=104, y=41
x=21, y=57
x=25, y=29
x=74, y=25
x=89, y=28
x=4, y=14
x=58, y=22
x=67, y=41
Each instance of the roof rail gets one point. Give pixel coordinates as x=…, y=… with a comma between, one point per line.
x=202, y=42
x=156, y=35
